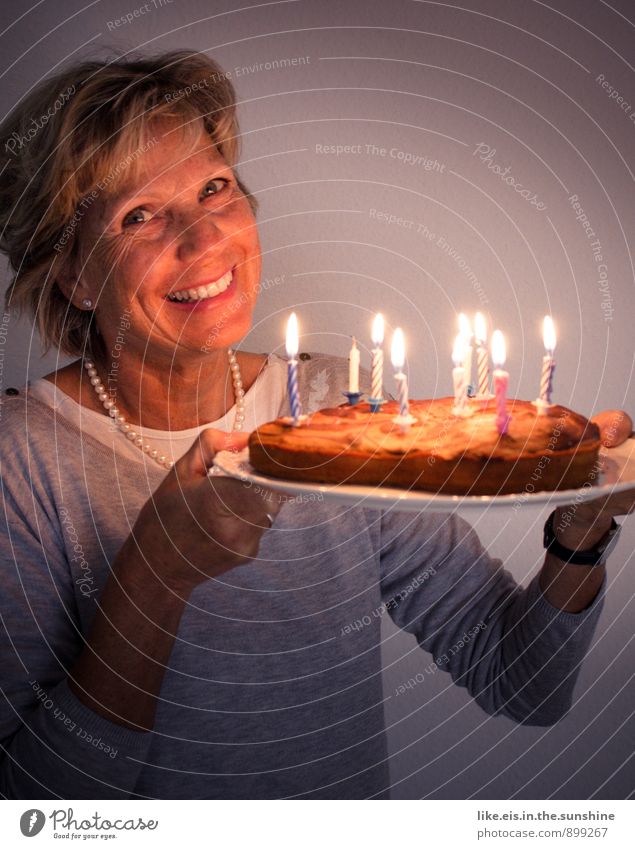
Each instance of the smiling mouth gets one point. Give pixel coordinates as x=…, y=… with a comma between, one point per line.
x=203, y=293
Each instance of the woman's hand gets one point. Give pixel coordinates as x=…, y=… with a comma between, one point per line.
x=583, y=525
x=196, y=527
x=616, y=426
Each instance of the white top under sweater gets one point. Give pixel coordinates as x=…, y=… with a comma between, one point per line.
x=263, y=401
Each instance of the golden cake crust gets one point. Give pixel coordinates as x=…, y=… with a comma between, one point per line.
x=440, y=452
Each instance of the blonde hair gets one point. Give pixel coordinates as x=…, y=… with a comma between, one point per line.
x=79, y=131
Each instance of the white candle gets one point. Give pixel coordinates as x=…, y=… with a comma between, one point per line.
x=482, y=356
x=501, y=380
x=293, y=345
x=377, y=367
x=465, y=329
x=548, y=362
x=353, y=368
x=398, y=358
x=458, y=375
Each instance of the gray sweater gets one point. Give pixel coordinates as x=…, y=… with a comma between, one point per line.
x=274, y=685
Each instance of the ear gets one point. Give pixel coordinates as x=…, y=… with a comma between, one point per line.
x=73, y=286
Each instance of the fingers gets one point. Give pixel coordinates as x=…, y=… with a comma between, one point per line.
x=201, y=454
x=271, y=502
x=615, y=427
x=266, y=522
x=256, y=504
x=611, y=505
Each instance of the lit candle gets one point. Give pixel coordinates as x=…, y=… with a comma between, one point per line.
x=548, y=362
x=398, y=356
x=482, y=356
x=377, y=367
x=501, y=379
x=353, y=368
x=465, y=329
x=458, y=375
x=293, y=344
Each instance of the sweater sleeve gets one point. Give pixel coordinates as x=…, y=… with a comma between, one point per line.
x=51, y=744
x=514, y=652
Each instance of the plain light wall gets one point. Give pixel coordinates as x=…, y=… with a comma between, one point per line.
x=413, y=89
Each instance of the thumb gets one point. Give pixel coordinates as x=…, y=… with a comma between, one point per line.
x=200, y=456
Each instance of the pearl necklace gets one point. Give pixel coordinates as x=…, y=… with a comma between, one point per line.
x=136, y=438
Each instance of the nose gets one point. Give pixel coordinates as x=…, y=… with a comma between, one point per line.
x=198, y=235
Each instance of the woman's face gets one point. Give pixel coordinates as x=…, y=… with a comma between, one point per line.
x=176, y=263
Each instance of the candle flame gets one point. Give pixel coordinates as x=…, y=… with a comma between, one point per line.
x=458, y=352
x=499, y=352
x=398, y=349
x=480, y=328
x=549, y=334
x=465, y=328
x=377, y=333
x=293, y=342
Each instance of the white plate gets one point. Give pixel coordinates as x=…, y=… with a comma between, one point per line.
x=618, y=474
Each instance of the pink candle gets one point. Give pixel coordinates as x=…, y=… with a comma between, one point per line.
x=501, y=381
x=353, y=368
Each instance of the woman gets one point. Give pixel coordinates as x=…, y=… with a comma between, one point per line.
x=171, y=634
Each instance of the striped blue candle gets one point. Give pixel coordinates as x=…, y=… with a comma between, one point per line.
x=292, y=387
x=293, y=345
x=402, y=385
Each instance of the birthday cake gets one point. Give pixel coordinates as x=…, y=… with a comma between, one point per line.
x=543, y=449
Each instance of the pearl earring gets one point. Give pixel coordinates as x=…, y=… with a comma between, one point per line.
x=86, y=302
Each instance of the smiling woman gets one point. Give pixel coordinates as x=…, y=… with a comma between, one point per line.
x=168, y=633
x=146, y=215
x=91, y=149
x=178, y=251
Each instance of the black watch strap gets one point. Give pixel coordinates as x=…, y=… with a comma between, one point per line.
x=591, y=557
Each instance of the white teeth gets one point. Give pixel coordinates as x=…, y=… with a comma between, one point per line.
x=202, y=292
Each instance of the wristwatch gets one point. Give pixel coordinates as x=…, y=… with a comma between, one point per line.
x=595, y=556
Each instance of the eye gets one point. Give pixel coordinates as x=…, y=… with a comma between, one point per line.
x=215, y=186
x=135, y=216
